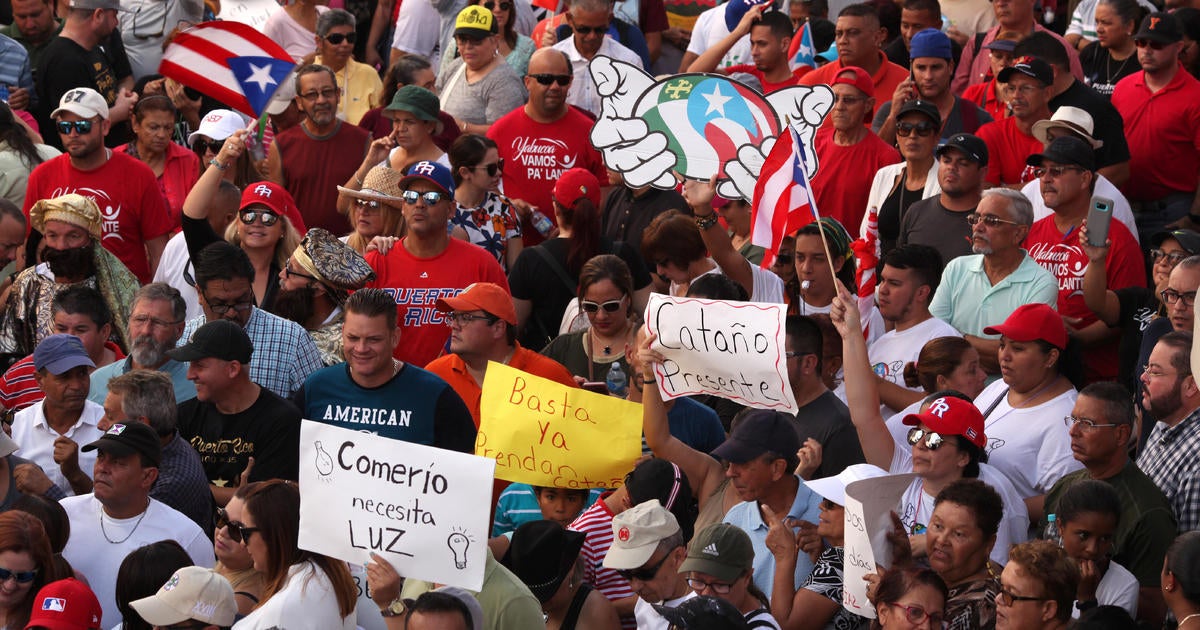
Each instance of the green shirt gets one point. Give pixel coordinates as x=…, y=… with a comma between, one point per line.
x=507, y=603
x=35, y=52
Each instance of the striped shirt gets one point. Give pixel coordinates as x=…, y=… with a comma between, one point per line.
x=596, y=523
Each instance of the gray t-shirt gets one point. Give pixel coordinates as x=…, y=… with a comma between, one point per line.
x=928, y=222
x=484, y=101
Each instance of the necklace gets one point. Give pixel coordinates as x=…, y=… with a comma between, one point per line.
x=1185, y=619
x=1108, y=68
x=131, y=532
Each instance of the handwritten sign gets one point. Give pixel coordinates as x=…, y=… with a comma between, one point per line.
x=545, y=433
x=424, y=509
x=869, y=503
x=734, y=350
x=251, y=12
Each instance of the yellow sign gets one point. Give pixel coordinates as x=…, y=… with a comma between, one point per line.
x=545, y=433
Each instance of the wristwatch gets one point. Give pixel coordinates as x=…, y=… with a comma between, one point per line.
x=394, y=609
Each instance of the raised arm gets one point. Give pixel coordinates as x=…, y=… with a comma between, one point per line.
x=862, y=390
x=699, y=196
x=1096, y=295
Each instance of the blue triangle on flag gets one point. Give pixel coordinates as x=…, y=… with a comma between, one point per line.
x=258, y=78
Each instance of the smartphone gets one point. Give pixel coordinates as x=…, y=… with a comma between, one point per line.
x=599, y=387
x=1098, y=219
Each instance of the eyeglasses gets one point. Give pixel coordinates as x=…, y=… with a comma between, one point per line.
x=923, y=129
x=1171, y=296
x=288, y=272
x=210, y=145
x=462, y=319
x=143, y=320
x=243, y=304
x=644, y=574
x=366, y=204
x=492, y=169
x=610, y=306
x=1054, y=171
x=989, y=220
x=1006, y=598
x=933, y=441
x=80, y=126
x=430, y=198
x=222, y=519
x=1172, y=257
x=1086, y=423
x=1024, y=90
x=337, y=38
x=503, y=6
x=720, y=588
x=917, y=615
x=266, y=218
x=1144, y=43
x=547, y=79
x=849, y=100
x=22, y=577
x=590, y=30
x=327, y=94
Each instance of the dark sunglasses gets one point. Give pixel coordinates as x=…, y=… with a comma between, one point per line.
x=933, y=441
x=611, y=306
x=431, y=197
x=546, y=79
x=268, y=218
x=22, y=577
x=211, y=145
x=237, y=532
x=590, y=30
x=923, y=129
x=492, y=169
x=1143, y=43
x=338, y=38
x=80, y=126
x=503, y=6
x=644, y=574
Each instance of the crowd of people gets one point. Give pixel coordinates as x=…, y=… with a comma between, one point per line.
x=421, y=198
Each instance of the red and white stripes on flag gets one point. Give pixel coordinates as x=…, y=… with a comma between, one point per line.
x=199, y=58
x=782, y=201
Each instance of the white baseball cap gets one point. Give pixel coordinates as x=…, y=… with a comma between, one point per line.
x=834, y=488
x=218, y=125
x=192, y=593
x=83, y=102
x=636, y=534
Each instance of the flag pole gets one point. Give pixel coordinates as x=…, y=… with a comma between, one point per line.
x=828, y=258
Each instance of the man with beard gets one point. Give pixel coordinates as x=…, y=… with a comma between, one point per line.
x=1169, y=456
x=941, y=221
x=136, y=220
x=909, y=279
x=155, y=326
x=312, y=158
x=71, y=255
x=315, y=283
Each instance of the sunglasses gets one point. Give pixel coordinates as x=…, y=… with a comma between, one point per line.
x=610, y=306
x=1054, y=171
x=643, y=574
x=492, y=169
x=1173, y=257
x=338, y=38
x=80, y=126
x=590, y=30
x=22, y=577
x=210, y=145
x=503, y=6
x=923, y=129
x=1145, y=43
x=237, y=531
x=546, y=79
x=366, y=204
x=289, y=272
x=933, y=441
x=431, y=197
x=268, y=218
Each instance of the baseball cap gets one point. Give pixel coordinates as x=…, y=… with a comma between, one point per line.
x=1072, y=119
x=432, y=172
x=636, y=534
x=1066, y=150
x=128, y=438
x=277, y=199
x=1031, y=322
x=834, y=488
x=481, y=296
x=922, y=107
x=220, y=339
x=704, y=611
x=192, y=593
x=1187, y=239
x=575, y=184
x=1003, y=45
x=475, y=21
x=970, y=145
x=218, y=125
x=857, y=77
x=65, y=605
x=58, y=353
x=735, y=10
x=1030, y=67
x=757, y=432
x=930, y=43
x=1160, y=27
x=283, y=96
x=721, y=550
x=950, y=415
x=95, y=4
x=83, y=102
x=417, y=101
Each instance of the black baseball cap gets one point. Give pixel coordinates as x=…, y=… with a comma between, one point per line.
x=1066, y=150
x=1160, y=27
x=921, y=107
x=1187, y=239
x=128, y=438
x=758, y=432
x=970, y=145
x=221, y=339
x=1030, y=67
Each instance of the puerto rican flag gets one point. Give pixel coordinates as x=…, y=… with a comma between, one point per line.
x=231, y=62
x=803, y=54
x=783, y=201
x=868, y=251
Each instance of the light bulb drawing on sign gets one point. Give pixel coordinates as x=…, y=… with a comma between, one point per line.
x=324, y=461
x=458, y=543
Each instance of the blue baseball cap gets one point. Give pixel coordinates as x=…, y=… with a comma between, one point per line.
x=930, y=43
x=735, y=10
x=58, y=353
x=432, y=172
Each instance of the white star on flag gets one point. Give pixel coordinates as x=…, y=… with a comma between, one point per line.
x=716, y=100
x=261, y=76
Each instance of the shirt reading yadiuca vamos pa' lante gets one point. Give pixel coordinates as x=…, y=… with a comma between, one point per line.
x=415, y=406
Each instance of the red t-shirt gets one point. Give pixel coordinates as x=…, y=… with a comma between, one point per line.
x=1008, y=148
x=886, y=78
x=1163, y=131
x=536, y=155
x=768, y=87
x=180, y=173
x=842, y=185
x=1062, y=256
x=984, y=95
x=132, y=208
x=417, y=283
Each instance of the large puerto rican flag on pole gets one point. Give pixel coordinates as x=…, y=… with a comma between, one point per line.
x=229, y=61
x=783, y=201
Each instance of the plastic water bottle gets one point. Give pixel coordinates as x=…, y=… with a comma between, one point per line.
x=617, y=382
x=541, y=222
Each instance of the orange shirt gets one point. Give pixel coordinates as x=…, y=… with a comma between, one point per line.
x=453, y=370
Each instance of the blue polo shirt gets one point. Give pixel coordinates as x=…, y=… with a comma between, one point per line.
x=748, y=518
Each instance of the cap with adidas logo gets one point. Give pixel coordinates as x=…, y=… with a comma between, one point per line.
x=721, y=550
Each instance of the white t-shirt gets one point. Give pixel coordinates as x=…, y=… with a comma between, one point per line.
x=649, y=619
x=176, y=261
x=709, y=30
x=36, y=439
x=582, y=92
x=894, y=349
x=1118, y=587
x=90, y=552
x=899, y=430
x=768, y=287
x=418, y=31
x=306, y=602
x=1031, y=446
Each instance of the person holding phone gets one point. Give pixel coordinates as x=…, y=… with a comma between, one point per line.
x=1066, y=171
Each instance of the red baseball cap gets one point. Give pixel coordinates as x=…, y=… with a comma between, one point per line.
x=949, y=415
x=859, y=78
x=481, y=296
x=1031, y=322
x=277, y=199
x=65, y=605
x=576, y=184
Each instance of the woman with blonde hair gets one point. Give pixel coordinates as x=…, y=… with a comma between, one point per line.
x=375, y=209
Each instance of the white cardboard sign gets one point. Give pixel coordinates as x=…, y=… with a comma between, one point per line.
x=869, y=504
x=424, y=509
